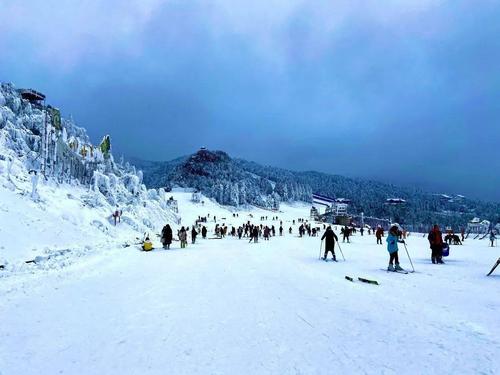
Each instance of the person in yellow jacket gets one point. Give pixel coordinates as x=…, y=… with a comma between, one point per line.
x=147, y=245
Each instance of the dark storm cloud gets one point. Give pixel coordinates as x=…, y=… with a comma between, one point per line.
x=406, y=92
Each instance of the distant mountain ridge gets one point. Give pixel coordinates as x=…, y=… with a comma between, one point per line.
x=238, y=182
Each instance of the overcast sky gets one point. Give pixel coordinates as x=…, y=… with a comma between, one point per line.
x=406, y=92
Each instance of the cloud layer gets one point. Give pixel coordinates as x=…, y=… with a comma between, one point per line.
x=400, y=91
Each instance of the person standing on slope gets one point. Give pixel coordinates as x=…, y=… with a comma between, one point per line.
x=379, y=234
x=345, y=232
x=492, y=237
x=204, y=232
x=183, y=237
x=330, y=237
x=435, y=238
x=392, y=248
x=194, y=233
x=255, y=234
x=166, y=236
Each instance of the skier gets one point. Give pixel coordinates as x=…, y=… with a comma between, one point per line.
x=147, y=245
x=166, y=236
x=204, y=232
x=290, y=230
x=436, y=243
x=281, y=230
x=183, y=237
x=194, y=233
x=330, y=237
x=392, y=248
x=492, y=238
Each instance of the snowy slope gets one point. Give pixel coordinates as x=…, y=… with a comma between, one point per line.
x=79, y=297
x=230, y=307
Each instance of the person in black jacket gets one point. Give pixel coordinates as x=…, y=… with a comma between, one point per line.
x=255, y=234
x=194, y=233
x=166, y=236
x=204, y=232
x=330, y=237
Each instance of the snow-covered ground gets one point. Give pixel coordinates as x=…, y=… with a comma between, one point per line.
x=230, y=307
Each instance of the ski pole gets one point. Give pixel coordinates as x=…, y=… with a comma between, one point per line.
x=343, y=257
x=320, y=248
x=407, y=253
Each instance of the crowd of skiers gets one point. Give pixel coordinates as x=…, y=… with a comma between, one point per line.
x=246, y=230
x=253, y=232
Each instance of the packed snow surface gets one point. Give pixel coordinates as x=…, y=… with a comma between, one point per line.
x=226, y=306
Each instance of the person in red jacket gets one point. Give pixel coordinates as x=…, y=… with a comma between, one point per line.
x=435, y=238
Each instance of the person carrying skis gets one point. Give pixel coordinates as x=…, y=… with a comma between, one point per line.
x=166, y=236
x=436, y=243
x=392, y=248
x=492, y=237
x=330, y=237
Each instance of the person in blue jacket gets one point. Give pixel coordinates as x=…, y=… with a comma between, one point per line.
x=392, y=248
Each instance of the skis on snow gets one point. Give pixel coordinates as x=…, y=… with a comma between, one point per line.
x=395, y=271
x=363, y=280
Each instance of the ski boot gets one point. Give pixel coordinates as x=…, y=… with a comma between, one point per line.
x=433, y=260
x=334, y=258
x=390, y=268
x=398, y=267
x=324, y=258
x=440, y=261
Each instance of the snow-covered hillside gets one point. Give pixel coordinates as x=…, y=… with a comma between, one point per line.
x=58, y=191
x=235, y=182
x=226, y=306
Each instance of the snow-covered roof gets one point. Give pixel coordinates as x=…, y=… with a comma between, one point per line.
x=395, y=200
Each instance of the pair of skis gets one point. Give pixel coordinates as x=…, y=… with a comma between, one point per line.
x=404, y=272
x=363, y=280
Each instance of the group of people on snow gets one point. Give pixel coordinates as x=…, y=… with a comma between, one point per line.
x=252, y=231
